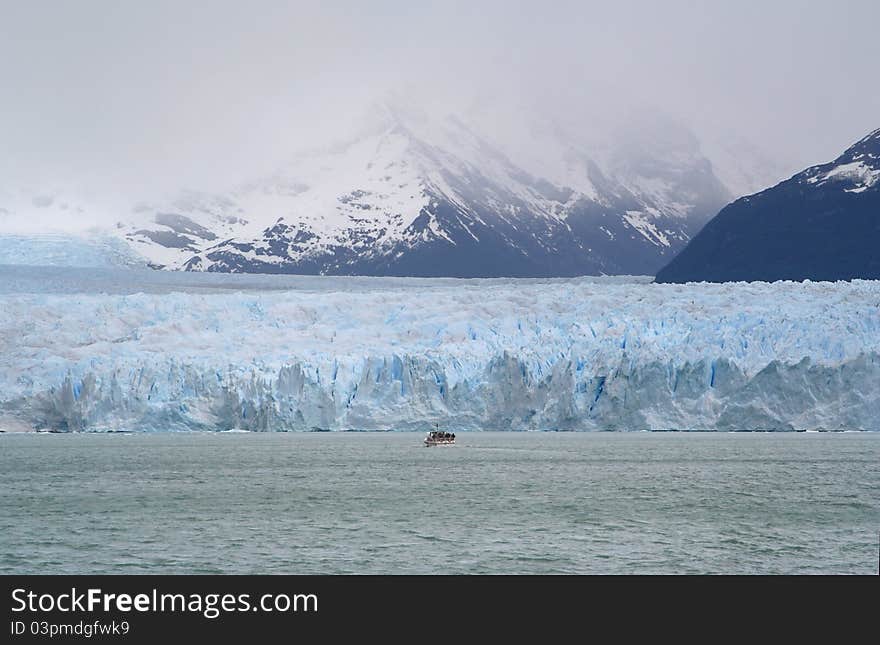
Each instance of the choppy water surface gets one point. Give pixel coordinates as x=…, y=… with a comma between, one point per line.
x=495, y=503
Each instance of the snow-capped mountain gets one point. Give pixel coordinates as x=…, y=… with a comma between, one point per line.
x=488, y=193
x=422, y=196
x=821, y=224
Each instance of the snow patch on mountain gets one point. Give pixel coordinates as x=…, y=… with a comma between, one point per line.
x=858, y=167
x=858, y=173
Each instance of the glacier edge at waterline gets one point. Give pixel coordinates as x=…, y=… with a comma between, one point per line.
x=400, y=354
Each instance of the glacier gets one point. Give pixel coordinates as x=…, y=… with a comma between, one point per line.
x=67, y=250
x=114, y=349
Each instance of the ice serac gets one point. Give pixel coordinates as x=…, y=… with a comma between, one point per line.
x=396, y=354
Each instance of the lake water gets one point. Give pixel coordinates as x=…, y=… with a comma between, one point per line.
x=495, y=503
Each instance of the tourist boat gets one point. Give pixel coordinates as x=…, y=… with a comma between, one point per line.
x=438, y=438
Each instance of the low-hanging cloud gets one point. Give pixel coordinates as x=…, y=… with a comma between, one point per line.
x=139, y=97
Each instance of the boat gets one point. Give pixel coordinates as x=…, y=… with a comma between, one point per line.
x=437, y=437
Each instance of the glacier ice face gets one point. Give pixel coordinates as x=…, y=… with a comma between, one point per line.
x=283, y=353
x=96, y=251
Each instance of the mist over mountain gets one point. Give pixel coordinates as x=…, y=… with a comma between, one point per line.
x=517, y=139
x=415, y=192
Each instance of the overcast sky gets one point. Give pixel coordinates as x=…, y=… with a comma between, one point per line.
x=134, y=93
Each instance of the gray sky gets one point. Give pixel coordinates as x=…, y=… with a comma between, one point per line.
x=145, y=94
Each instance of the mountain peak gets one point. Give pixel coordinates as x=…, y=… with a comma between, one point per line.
x=415, y=190
x=419, y=192
x=854, y=171
x=819, y=225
